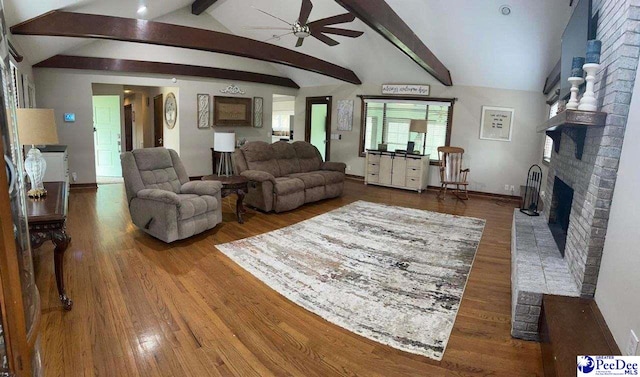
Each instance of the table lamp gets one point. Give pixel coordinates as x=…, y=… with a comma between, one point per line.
x=36, y=127
x=419, y=126
x=225, y=143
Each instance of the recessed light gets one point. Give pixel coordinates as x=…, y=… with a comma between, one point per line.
x=142, y=9
x=505, y=10
x=127, y=91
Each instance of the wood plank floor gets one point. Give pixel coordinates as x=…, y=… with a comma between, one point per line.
x=144, y=308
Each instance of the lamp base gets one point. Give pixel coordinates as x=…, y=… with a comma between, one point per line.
x=225, y=166
x=35, y=165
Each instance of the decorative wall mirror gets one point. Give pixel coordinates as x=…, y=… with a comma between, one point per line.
x=170, y=110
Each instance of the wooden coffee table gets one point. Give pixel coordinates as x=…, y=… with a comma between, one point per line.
x=234, y=184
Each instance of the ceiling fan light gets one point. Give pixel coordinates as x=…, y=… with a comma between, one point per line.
x=301, y=31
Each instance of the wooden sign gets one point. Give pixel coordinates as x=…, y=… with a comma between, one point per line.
x=406, y=89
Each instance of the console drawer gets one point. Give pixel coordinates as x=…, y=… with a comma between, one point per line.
x=414, y=162
x=373, y=158
x=373, y=177
x=413, y=183
x=373, y=168
x=413, y=172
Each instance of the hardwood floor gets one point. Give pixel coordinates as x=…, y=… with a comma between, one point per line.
x=144, y=308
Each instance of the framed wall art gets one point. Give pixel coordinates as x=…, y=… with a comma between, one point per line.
x=258, y=103
x=204, y=111
x=231, y=111
x=496, y=123
x=345, y=115
x=171, y=110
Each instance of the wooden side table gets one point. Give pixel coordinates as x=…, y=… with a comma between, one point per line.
x=47, y=222
x=234, y=184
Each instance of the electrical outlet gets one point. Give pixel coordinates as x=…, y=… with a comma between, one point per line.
x=506, y=187
x=349, y=167
x=632, y=346
x=74, y=176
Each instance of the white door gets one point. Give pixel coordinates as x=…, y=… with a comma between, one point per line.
x=106, y=135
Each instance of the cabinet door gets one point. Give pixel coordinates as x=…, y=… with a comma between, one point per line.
x=399, y=177
x=386, y=167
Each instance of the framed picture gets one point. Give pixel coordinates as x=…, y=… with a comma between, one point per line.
x=345, y=115
x=258, y=104
x=496, y=123
x=231, y=111
x=204, y=111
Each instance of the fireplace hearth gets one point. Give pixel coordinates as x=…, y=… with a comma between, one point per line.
x=560, y=213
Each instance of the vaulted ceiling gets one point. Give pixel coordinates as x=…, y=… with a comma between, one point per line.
x=480, y=46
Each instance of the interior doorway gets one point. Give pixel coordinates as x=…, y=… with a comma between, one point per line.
x=282, y=115
x=107, y=135
x=158, y=121
x=128, y=127
x=318, y=124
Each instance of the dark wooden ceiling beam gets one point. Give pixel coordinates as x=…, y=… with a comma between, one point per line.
x=79, y=25
x=553, y=79
x=139, y=66
x=381, y=18
x=199, y=6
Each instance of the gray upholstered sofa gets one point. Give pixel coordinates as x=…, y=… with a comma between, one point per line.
x=162, y=200
x=284, y=176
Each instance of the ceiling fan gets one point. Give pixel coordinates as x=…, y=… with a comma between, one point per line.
x=317, y=29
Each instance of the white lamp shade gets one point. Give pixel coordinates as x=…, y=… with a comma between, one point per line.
x=418, y=126
x=37, y=127
x=224, y=141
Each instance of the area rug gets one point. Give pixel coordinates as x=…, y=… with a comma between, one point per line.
x=395, y=275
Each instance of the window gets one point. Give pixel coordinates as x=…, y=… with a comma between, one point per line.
x=387, y=120
x=548, y=142
x=281, y=123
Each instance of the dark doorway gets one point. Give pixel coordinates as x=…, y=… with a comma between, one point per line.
x=318, y=124
x=128, y=128
x=560, y=212
x=158, y=121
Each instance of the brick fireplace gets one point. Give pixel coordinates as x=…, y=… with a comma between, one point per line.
x=559, y=213
x=592, y=175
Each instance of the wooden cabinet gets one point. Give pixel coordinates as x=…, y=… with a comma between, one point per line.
x=57, y=163
x=406, y=171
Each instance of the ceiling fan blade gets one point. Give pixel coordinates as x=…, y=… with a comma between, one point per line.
x=305, y=11
x=343, y=32
x=339, y=19
x=266, y=28
x=299, y=42
x=324, y=39
x=271, y=15
x=277, y=36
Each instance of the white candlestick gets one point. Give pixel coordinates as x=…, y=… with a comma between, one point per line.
x=588, y=101
x=575, y=84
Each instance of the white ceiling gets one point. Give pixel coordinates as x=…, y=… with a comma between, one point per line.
x=478, y=45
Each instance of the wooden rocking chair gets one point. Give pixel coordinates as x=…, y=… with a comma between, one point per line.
x=452, y=173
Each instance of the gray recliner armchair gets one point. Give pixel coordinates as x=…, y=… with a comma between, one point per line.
x=162, y=200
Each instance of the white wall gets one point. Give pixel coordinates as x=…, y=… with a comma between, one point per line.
x=618, y=289
x=493, y=163
x=71, y=91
